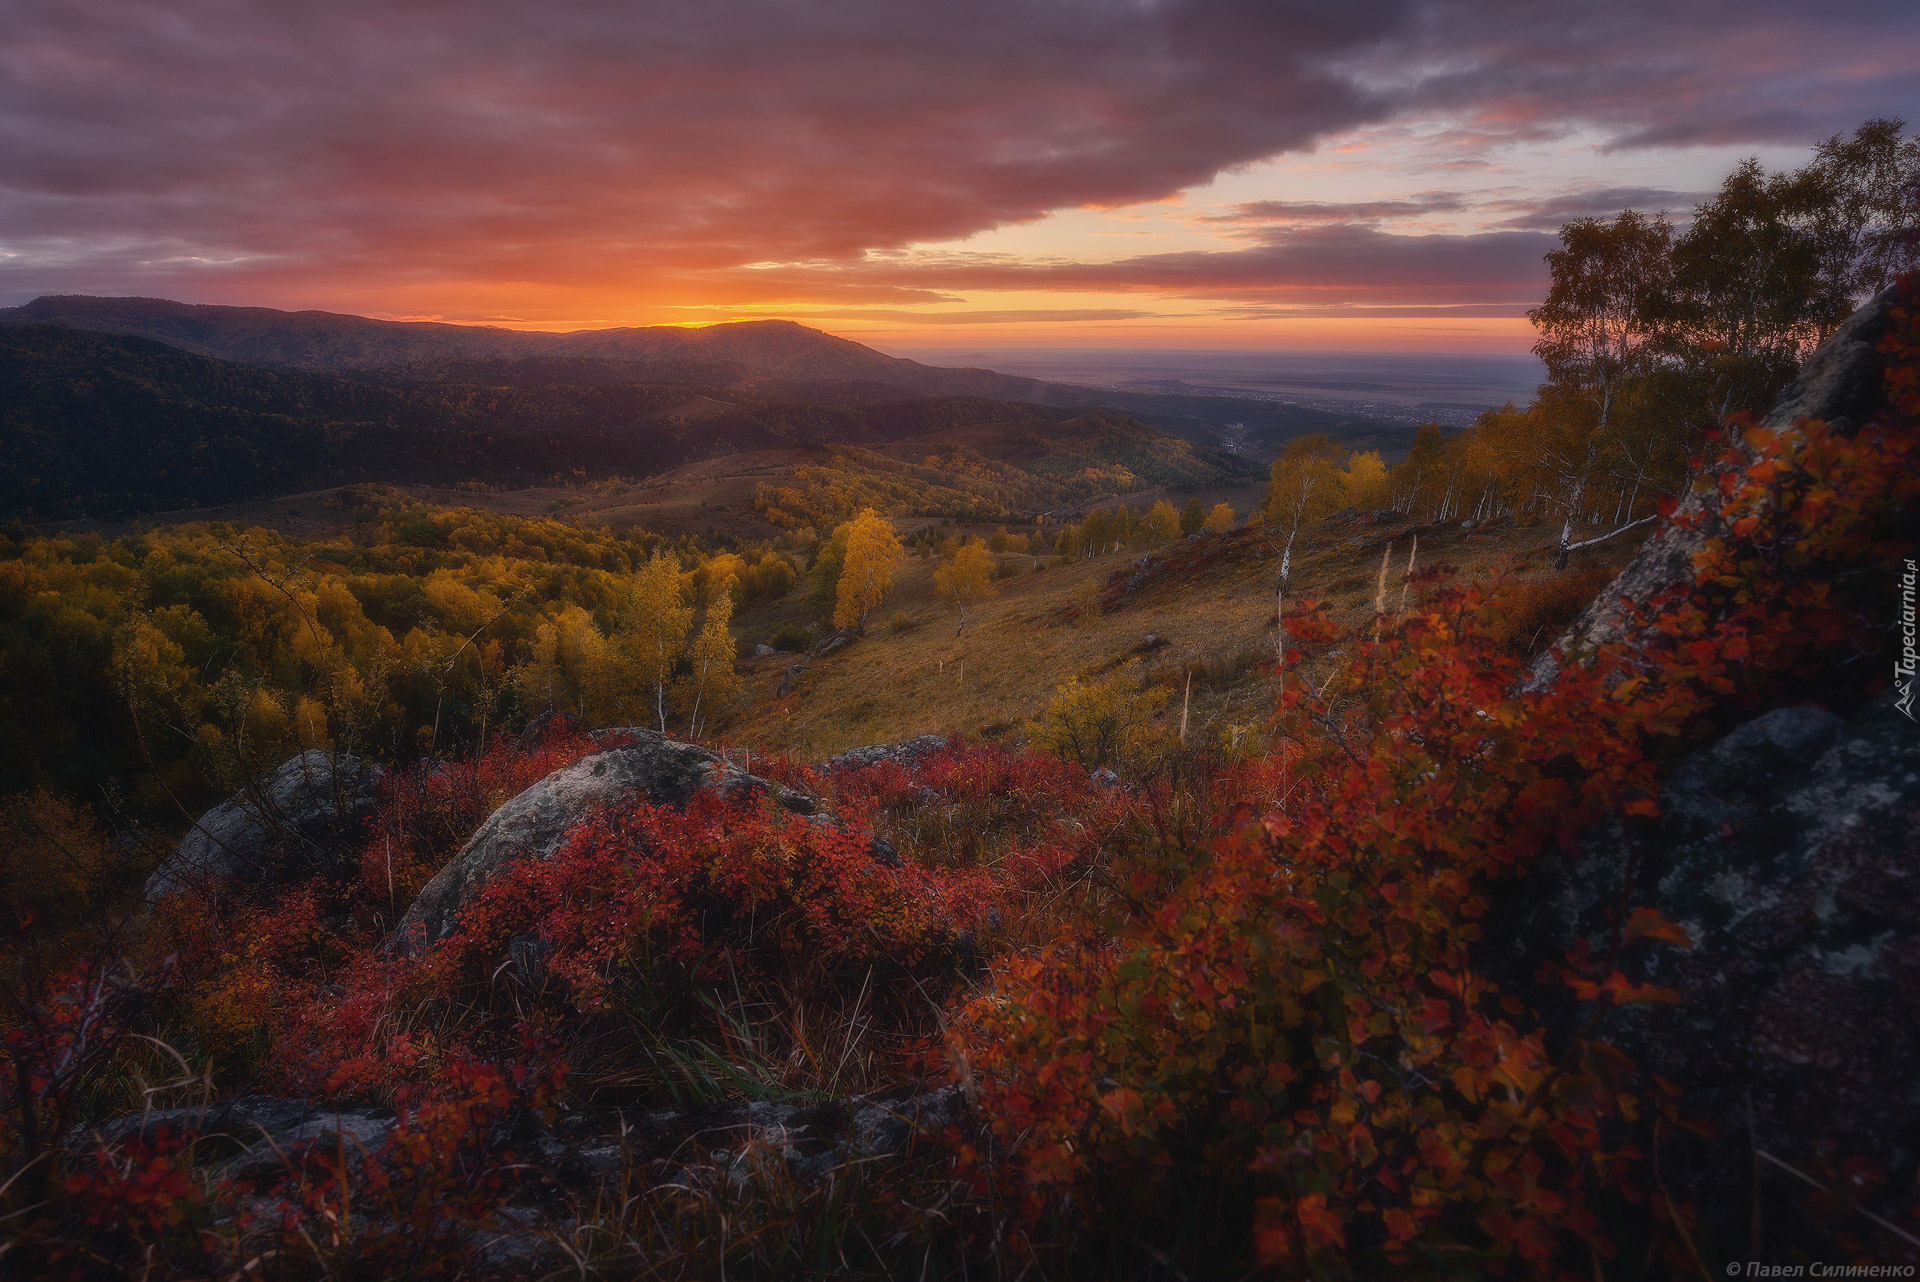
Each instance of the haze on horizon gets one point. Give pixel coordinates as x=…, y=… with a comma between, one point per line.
x=1187, y=174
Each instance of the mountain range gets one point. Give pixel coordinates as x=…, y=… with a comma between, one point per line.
x=111, y=406
x=725, y=354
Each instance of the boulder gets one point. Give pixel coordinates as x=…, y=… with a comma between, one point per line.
x=906, y=754
x=307, y=818
x=832, y=642
x=764, y=651
x=635, y=765
x=255, y=1138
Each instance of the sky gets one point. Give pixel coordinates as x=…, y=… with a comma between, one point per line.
x=1226, y=174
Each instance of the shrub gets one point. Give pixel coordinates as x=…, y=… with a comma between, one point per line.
x=1534, y=612
x=1104, y=723
x=427, y=812
x=1284, y=1046
x=791, y=638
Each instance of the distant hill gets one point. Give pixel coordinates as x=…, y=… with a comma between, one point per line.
x=772, y=360
x=722, y=354
x=101, y=425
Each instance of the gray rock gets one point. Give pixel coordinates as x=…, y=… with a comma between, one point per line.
x=764, y=651
x=636, y=765
x=1105, y=777
x=546, y=725
x=245, y=1118
x=1840, y=381
x=906, y=754
x=307, y=818
x=361, y=1132
x=813, y=1140
x=828, y=644
x=1789, y=851
x=883, y=1126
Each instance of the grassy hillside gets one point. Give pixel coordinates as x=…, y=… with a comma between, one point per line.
x=1211, y=602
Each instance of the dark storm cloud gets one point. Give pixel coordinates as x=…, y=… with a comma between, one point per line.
x=226, y=149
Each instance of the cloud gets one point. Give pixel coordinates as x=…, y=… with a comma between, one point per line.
x=1257, y=213
x=1345, y=265
x=624, y=144
x=1553, y=212
x=979, y=316
x=487, y=156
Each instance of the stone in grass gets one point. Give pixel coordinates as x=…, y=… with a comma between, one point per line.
x=306, y=818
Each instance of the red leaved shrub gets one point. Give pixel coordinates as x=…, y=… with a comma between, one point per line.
x=1284, y=1047
x=642, y=889
x=427, y=813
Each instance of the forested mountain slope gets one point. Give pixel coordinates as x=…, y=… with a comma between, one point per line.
x=96, y=424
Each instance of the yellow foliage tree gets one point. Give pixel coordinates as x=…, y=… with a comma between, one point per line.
x=714, y=683
x=1303, y=486
x=965, y=579
x=1364, y=482
x=55, y=860
x=1220, y=520
x=873, y=555
x=1159, y=527
x=653, y=633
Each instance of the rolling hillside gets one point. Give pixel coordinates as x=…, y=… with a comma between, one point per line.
x=99, y=425
x=329, y=341
x=775, y=360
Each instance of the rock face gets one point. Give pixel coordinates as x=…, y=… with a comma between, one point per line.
x=636, y=765
x=1789, y=851
x=1840, y=382
x=306, y=818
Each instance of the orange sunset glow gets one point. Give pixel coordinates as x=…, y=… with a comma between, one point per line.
x=1192, y=173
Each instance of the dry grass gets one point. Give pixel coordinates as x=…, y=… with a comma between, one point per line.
x=1044, y=628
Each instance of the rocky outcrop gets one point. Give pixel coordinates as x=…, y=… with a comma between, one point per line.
x=1840, y=383
x=559, y=1172
x=635, y=765
x=306, y=818
x=1788, y=850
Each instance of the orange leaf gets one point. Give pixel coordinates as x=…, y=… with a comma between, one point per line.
x=1647, y=923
